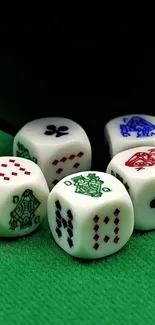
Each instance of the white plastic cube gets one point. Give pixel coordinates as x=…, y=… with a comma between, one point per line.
x=23, y=200
x=58, y=145
x=90, y=214
x=135, y=168
x=129, y=131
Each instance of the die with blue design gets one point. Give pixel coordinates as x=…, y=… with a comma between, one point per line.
x=58, y=145
x=90, y=214
x=130, y=131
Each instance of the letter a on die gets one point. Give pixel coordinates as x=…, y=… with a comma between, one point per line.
x=90, y=214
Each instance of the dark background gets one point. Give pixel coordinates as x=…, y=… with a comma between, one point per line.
x=65, y=66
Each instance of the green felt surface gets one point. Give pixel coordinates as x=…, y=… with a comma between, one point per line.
x=40, y=284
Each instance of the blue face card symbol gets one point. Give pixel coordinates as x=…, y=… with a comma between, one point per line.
x=137, y=124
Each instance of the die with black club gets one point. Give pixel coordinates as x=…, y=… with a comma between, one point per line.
x=24, y=194
x=135, y=168
x=90, y=214
x=58, y=145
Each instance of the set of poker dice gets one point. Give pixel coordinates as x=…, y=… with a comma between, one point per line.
x=91, y=214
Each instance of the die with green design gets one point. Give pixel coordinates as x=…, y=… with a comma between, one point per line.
x=23, y=204
x=90, y=214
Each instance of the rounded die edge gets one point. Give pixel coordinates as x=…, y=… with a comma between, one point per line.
x=82, y=253
x=52, y=119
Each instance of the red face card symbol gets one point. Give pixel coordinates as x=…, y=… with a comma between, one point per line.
x=60, y=164
x=115, y=236
x=142, y=159
x=7, y=173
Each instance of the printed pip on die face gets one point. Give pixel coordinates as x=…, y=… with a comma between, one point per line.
x=58, y=145
x=129, y=131
x=90, y=214
x=135, y=168
x=23, y=200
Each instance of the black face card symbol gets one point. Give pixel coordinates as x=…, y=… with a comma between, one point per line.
x=59, y=132
x=152, y=204
x=63, y=223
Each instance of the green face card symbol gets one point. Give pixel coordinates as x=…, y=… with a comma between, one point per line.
x=120, y=179
x=23, y=215
x=90, y=185
x=24, y=153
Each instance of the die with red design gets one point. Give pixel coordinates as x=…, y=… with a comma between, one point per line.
x=135, y=168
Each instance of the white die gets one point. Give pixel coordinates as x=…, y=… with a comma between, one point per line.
x=129, y=131
x=90, y=214
x=59, y=146
x=23, y=200
x=135, y=168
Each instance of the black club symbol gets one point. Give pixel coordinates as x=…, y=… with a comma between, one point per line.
x=59, y=132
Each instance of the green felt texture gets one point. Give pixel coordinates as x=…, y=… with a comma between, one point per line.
x=41, y=284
